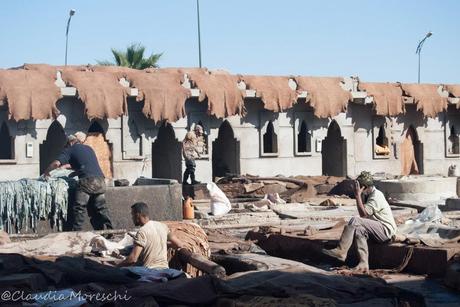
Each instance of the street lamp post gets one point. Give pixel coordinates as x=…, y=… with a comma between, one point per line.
x=419, y=51
x=199, y=32
x=71, y=13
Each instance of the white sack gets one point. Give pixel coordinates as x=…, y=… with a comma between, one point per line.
x=220, y=204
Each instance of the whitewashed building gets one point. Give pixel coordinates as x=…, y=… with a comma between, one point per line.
x=372, y=130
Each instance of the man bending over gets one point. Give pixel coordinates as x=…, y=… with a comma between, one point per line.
x=91, y=187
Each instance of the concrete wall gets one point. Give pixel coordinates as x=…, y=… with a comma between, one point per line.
x=164, y=202
x=131, y=138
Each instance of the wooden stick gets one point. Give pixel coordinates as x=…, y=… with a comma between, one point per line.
x=282, y=179
x=202, y=263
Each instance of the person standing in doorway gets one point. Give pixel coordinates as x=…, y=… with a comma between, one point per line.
x=200, y=140
x=91, y=184
x=190, y=152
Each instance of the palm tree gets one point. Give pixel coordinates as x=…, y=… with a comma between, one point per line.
x=133, y=57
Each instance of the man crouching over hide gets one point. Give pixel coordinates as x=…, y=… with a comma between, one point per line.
x=91, y=184
x=150, y=242
x=375, y=222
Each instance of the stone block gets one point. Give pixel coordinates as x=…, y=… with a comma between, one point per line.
x=390, y=256
x=419, y=188
x=164, y=201
x=452, y=204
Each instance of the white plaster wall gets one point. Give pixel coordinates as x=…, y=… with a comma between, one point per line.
x=431, y=133
x=286, y=163
x=21, y=166
x=364, y=123
x=357, y=126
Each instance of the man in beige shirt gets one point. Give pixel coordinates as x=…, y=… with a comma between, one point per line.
x=150, y=242
x=375, y=222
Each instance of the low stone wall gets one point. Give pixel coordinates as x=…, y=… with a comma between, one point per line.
x=419, y=188
x=164, y=201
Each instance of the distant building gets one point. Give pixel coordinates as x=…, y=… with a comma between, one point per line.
x=261, y=125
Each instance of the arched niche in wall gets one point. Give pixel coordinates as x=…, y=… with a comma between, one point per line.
x=167, y=154
x=303, y=139
x=381, y=143
x=270, y=140
x=103, y=149
x=52, y=146
x=411, y=153
x=268, y=132
x=303, y=134
x=225, y=152
x=454, y=141
x=6, y=143
x=334, y=152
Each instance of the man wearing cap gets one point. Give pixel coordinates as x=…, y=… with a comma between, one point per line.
x=375, y=222
x=91, y=185
x=200, y=141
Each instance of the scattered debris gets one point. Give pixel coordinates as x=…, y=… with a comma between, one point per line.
x=260, y=245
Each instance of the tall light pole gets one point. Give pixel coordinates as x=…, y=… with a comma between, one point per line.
x=71, y=13
x=419, y=51
x=199, y=31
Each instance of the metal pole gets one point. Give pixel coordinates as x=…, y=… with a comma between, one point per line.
x=66, y=46
x=199, y=31
x=419, y=67
x=419, y=51
x=71, y=13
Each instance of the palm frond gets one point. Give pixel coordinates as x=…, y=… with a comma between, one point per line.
x=105, y=63
x=133, y=57
x=118, y=56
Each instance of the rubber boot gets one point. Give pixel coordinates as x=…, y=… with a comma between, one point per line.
x=186, y=175
x=363, y=253
x=192, y=176
x=341, y=251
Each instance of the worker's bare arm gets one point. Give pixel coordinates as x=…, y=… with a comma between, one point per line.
x=359, y=202
x=54, y=165
x=132, y=258
x=175, y=242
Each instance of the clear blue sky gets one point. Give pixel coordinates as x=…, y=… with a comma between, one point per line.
x=375, y=40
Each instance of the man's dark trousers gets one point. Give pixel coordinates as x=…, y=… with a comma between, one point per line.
x=90, y=196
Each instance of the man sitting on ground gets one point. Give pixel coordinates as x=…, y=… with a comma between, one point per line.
x=150, y=242
x=375, y=222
